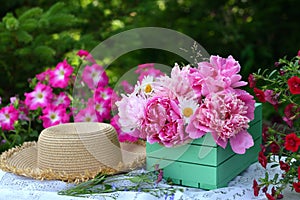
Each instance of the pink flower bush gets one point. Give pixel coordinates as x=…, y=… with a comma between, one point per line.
x=50, y=102
x=189, y=104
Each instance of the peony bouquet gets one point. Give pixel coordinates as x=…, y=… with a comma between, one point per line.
x=280, y=89
x=191, y=102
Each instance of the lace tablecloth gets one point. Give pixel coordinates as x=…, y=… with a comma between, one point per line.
x=22, y=188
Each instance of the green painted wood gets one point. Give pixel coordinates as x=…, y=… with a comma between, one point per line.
x=203, y=164
x=203, y=176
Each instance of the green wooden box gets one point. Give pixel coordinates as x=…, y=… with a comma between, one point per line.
x=203, y=164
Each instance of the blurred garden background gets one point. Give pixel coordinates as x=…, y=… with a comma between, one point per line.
x=36, y=34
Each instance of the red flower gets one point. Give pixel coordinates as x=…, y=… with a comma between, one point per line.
x=251, y=80
x=284, y=166
x=262, y=159
x=255, y=187
x=294, y=84
x=292, y=142
x=279, y=196
x=274, y=148
x=260, y=95
x=265, y=134
x=298, y=54
x=270, y=197
x=296, y=186
x=299, y=173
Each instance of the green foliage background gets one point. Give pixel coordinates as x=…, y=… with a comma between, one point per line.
x=36, y=34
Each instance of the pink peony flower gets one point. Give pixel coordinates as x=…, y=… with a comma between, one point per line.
x=225, y=115
x=131, y=113
x=40, y=97
x=61, y=99
x=8, y=116
x=86, y=115
x=53, y=115
x=177, y=85
x=123, y=137
x=163, y=122
x=95, y=76
x=217, y=75
x=60, y=76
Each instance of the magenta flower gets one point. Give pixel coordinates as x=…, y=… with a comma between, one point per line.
x=104, y=93
x=86, y=115
x=271, y=97
x=94, y=76
x=127, y=87
x=8, y=116
x=60, y=76
x=86, y=55
x=44, y=76
x=122, y=136
x=163, y=122
x=53, y=115
x=147, y=69
x=61, y=99
x=23, y=111
x=226, y=117
x=40, y=97
x=102, y=108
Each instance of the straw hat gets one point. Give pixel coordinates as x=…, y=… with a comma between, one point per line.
x=73, y=152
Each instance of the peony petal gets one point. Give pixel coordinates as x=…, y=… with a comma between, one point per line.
x=219, y=141
x=242, y=141
x=194, y=132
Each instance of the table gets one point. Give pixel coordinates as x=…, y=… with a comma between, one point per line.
x=23, y=188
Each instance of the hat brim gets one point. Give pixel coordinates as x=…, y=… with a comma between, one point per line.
x=22, y=160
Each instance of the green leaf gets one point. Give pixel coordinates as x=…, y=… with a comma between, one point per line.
x=56, y=8
x=44, y=52
x=31, y=13
x=136, y=179
x=29, y=25
x=23, y=36
x=23, y=51
x=275, y=177
x=62, y=19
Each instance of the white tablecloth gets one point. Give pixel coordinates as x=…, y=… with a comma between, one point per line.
x=22, y=188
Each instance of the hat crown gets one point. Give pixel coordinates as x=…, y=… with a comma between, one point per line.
x=78, y=147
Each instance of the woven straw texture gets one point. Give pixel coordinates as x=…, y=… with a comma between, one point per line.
x=73, y=152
